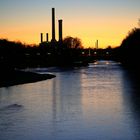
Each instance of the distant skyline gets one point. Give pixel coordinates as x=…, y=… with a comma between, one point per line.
x=108, y=21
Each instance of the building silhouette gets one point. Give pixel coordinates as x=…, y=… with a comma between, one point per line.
x=60, y=30
x=53, y=25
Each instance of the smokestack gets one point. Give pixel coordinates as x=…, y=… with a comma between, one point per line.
x=47, y=37
x=53, y=25
x=41, y=35
x=60, y=30
x=97, y=44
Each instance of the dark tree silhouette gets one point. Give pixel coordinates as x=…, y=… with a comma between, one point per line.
x=133, y=39
x=130, y=48
x=17, y=55
x=71, y=42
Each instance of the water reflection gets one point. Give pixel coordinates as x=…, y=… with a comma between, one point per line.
x=66, y=103
x=101, y=101
x=132, y=98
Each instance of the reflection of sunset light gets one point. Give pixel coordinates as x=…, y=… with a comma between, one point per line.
x=107, y=63
x=101, y=102
x=98, y=96
x=96, y=63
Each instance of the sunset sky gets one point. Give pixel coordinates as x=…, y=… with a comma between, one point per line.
x=106, y=20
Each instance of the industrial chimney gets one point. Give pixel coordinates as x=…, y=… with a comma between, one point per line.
x=60, y=30
x=41, y=37
x=47, y=37
x=53, y=25
x=97, y=44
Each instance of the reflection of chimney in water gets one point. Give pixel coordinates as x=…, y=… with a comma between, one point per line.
x=60, y=30
x=47, y=37
x=53, y=25
x=41, y=35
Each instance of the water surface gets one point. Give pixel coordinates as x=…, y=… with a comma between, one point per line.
x=98, y=102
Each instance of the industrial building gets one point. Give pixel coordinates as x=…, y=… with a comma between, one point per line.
x=60, y=31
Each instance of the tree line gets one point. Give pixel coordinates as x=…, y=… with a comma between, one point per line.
x=68, y=52
x=129, y=51
x=19, y=55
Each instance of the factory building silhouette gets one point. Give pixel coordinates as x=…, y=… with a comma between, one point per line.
x=60, y=30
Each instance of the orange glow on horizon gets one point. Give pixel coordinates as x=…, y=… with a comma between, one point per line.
x=106, y=21
x=86, y=42
x=109, y=32
x=31, y=35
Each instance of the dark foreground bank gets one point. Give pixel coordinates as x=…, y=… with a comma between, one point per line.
x=10, y=78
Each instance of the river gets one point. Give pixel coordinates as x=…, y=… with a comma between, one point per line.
x=98, y=102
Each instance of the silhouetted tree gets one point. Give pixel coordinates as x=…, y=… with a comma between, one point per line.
x=132, y=41
x=71, y=42
x=18, y=55
x=130, y=47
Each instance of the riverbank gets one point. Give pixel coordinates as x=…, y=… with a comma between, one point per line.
x=14, y=77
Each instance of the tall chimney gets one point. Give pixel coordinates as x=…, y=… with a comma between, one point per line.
x=53, y=25
x=60, y=30
x=41, y=35
x=47, y=37
x=97, y=44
